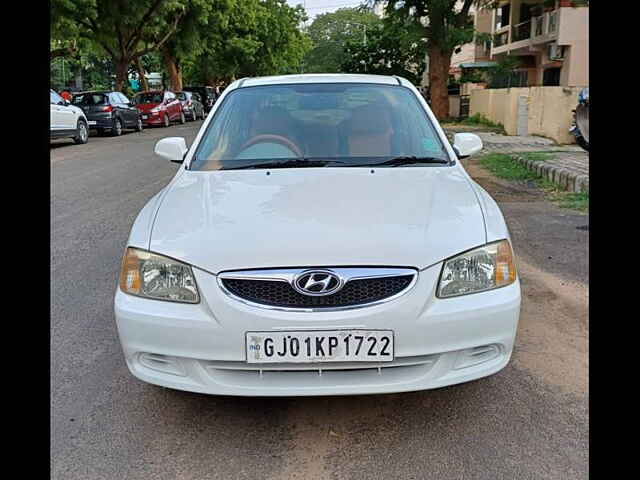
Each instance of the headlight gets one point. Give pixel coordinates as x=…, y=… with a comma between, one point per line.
x=146, y=274
x=484, y=268
x=155, y=110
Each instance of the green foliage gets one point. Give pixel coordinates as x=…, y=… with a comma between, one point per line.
x=472, y=75
x=503, y=166
x=395, y=47
x=506, y=167
x=481, y=120
x=256, y=38
x=331, y=32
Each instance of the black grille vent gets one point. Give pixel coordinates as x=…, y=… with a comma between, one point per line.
x=282, y=294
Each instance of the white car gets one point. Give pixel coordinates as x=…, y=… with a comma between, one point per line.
x=320, y=237
x=66, y=120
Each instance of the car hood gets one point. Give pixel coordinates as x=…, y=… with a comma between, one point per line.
x=145, y=107
x=225, y=220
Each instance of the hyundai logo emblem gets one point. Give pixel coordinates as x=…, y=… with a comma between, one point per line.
x=317, y=283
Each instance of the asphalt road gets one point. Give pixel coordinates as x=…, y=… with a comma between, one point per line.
x=529, y=421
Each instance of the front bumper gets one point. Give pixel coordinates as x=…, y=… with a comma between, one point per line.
x=201, y=348
x=152, y=118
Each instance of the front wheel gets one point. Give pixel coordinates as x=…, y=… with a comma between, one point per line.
x=582, y=142
x=183, y=120
x=166, y=122
x=139, y=126
x=82, y=135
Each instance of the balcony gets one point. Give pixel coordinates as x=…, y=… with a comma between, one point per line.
x=539, y=29
x=521, y=31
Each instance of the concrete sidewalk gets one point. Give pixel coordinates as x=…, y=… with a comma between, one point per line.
x=567, y=165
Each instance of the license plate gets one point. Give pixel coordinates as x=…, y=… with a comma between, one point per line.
x=92, y=122
x=144, y=117
x=320, y=346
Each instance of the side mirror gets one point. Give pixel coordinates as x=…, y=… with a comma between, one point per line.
x=466, y=144
x=173, y=149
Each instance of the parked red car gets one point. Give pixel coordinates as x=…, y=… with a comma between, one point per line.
x=159, y=107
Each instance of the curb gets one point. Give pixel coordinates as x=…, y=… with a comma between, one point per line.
x=565, y=179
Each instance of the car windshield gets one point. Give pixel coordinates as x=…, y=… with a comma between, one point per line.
x=148, y=98
x=87, y=99
x=348, y=124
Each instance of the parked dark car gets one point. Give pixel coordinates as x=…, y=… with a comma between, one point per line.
x=159, y=107
x=108, y=112
x=207, y=94
x=191, y=105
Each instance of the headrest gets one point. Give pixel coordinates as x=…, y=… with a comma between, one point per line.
x=371, y=119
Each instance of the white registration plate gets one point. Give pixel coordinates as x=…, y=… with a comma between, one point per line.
x=91, y=122
x=144, y=117
x=320, y=346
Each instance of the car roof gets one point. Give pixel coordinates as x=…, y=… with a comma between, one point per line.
x=322, y=78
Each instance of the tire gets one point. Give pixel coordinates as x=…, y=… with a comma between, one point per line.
x=183, y=120
x=116, y=129
x=139, y=127
x=82, y=133
x=582, y=142
x=167, y=122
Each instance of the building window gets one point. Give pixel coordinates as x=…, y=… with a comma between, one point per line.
x=551, y=77
x=502, y=16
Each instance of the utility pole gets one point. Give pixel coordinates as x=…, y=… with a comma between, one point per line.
x=364, y=39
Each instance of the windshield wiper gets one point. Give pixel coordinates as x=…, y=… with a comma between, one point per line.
x=411, y=160
x=290, y=163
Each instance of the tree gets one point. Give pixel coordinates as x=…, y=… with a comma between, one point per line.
x=330, y=32
x=396, y=47
x=124, y=30
x=257, y=37
x=201, y=18
x=446, y=24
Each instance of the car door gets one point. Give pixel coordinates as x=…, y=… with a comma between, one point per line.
x=61, y=116
x=174, y=106
x=129, y=112
x=167, y=104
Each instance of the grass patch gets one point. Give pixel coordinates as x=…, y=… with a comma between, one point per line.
x=536, y=156
x=572, y=200
x=505, y=166
x=480, y=120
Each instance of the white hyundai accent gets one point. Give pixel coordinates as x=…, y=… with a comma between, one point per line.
x=319, y=238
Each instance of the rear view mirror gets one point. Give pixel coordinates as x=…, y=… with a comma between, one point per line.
x=173, y=149
x=466, y=144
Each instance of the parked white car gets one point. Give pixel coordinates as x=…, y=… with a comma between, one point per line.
x=321, y=237
x=67, y=120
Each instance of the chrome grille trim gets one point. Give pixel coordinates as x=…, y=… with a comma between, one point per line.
x=289, y=274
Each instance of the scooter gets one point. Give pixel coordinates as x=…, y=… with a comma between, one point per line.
x=580, y=127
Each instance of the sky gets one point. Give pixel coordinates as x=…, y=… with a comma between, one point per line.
x=317, y=7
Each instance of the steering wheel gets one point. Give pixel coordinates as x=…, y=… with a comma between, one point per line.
x=273, y=139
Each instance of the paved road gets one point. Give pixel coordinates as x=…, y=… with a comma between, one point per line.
x=529, y=421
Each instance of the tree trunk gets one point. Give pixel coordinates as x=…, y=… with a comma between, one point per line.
x=175, y=73
x=144, y=85
x=439, y=64
x=122, y=66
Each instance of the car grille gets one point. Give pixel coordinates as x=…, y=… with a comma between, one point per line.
x=279, y=293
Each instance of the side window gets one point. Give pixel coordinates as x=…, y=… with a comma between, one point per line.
x=55, y=98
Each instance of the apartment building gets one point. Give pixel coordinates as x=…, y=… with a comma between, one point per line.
x=550, y=38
